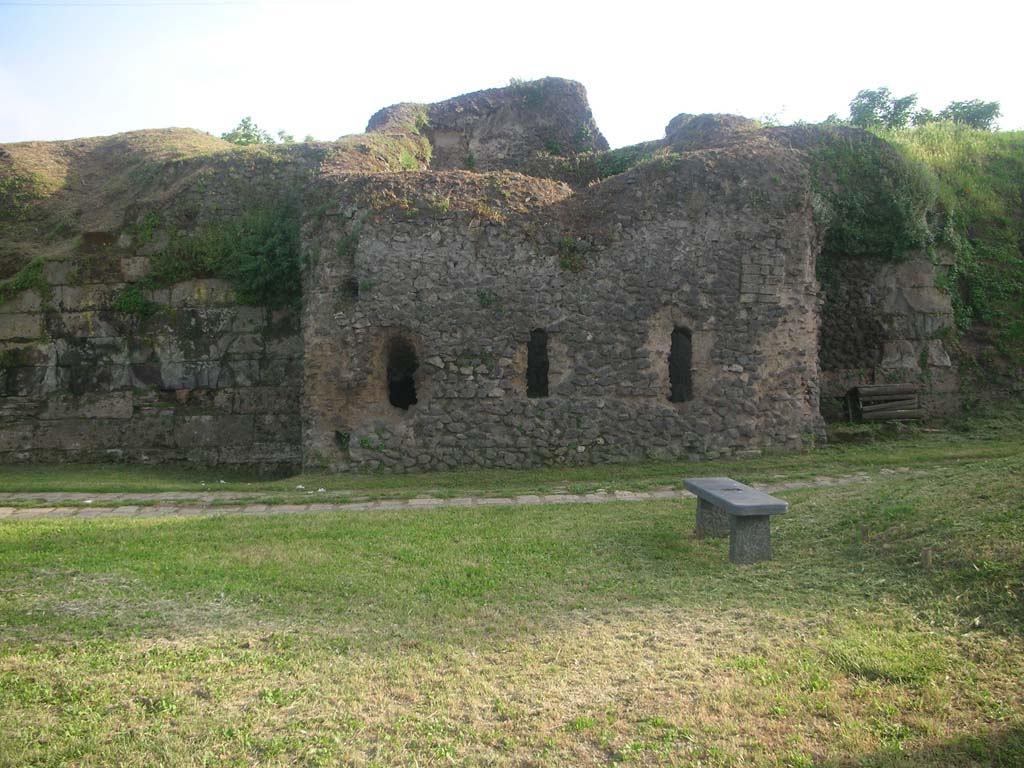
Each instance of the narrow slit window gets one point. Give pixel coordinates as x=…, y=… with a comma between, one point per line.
x=680, y=366
x=402, y=365
x=537, y=364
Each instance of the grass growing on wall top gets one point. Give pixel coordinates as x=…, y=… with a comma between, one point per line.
x=874, y=201
x=980, y=187
x=938, y=186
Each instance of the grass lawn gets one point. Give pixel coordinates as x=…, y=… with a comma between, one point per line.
x=544, y=635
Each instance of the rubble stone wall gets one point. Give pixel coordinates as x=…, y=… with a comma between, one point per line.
x=608, y=274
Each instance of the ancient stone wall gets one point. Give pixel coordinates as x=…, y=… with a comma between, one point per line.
x=202, y=380
x=461, y=268
x=887, y=323
x=460, y=304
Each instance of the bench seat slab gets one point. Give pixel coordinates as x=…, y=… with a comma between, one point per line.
x=735, y=498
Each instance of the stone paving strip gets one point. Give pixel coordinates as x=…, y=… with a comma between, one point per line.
x=199, y=496
x=421, y=502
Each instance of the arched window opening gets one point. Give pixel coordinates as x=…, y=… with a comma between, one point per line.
x=680, y=365
x=537, y=364
x=402, y=365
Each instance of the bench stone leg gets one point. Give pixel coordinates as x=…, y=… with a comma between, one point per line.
x=750, y=540
x=712, y=523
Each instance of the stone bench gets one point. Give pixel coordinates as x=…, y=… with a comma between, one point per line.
x=727, y=507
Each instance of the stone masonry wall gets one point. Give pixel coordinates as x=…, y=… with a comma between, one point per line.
x=721, y=243
x=886, y=323
x=202, y=380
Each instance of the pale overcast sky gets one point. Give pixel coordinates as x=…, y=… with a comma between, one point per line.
x=94, y=67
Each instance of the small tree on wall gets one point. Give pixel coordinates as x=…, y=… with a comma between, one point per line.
x=246, y=133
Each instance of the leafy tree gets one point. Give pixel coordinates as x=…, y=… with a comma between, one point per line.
x=923, y=117
x=285, y=138
x=246, y=133
x=975, y=113
x=878, y=108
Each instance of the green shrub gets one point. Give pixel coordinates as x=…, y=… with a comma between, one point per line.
x=258, y=253
x=570, y=255
x=132, y=301
x=980, y=188
x=28, y=277
x=873, y=198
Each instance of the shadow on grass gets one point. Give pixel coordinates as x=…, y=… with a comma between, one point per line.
x=995, y=749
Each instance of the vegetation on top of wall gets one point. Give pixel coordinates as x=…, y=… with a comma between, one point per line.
x=18, y=191
x=257, y=252
x=872, y=200
x=530, y=92
x=246, y=133
x=980, y=196
x=380, y=152
x=584, y=168
x=877, y=108
x=28, y=277
x=940, y=186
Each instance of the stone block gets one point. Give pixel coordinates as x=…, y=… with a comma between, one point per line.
x=189, y=375
x=241, y=346
x=283, y=346
x=249, y=320
x=83, y=324
x=281, y=372
x=21, y=326
x=84, y=297
x=135, y=268
x=937, y=355
x=902, y=354
x=27, y=380
x=16, y=436
x=99, y=378
x=25, y=301
x=285, y=428
x=202, y=293
x=109, y=405
x=59, y=272
x=266, y=400
x=153, y=430
x=213, y=431
x=238, y=373
x=79, y=434
x=13, y=408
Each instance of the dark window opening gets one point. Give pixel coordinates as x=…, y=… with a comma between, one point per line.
x=350, y=288
x=402, y=365
x=537, y=364
x=680, y=364
x=341, y=439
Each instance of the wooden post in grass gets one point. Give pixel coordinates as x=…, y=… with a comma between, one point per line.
x=926, y=558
